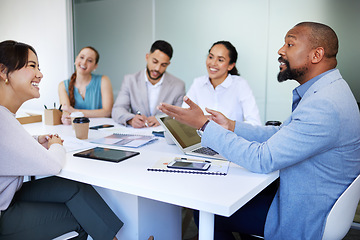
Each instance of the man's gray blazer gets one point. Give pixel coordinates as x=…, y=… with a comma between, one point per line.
x=133, y=96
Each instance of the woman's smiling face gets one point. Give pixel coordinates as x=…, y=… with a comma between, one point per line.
x=25, y=81
x=85, y=62
x=218, y=62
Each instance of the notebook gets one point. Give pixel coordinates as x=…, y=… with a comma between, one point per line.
x=126, y=140
x=186, y=138
x=217, y=167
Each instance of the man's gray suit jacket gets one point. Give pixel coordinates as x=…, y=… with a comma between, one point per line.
x=133, y=96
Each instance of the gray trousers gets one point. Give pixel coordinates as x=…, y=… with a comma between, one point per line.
x=49, y=207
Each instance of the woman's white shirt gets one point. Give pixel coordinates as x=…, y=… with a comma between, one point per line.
x=233, y=98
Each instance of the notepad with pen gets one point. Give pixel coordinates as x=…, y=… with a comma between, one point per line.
x=126, y=140
x=218, y=167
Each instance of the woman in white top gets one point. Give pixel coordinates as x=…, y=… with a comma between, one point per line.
x=49, y=207
x=223, y=89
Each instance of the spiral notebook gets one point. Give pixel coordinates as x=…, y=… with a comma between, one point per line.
x=218, y=167
x=126, y=140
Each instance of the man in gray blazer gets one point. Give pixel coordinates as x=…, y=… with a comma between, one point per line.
x=316, y=150
x=143, y=91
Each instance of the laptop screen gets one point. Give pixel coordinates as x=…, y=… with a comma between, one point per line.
x=184, y=134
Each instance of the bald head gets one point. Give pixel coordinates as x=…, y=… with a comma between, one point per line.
x=321, y=35
x=310, y=49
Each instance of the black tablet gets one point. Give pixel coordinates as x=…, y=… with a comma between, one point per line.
x=106, y=154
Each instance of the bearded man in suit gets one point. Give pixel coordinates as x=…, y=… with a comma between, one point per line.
x=141, y=93
x=316, y=150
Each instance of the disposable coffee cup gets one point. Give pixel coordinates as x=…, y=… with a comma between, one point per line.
x=81, y=125
x=74, y=115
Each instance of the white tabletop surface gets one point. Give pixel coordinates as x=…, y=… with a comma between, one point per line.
x=222, y=195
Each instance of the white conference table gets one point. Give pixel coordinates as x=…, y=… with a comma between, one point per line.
x=149, y=203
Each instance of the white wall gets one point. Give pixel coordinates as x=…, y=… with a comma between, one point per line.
x=42, y=24
x=343, y=16
x=123, y=31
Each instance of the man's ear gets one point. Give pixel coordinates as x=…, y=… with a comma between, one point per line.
x=318, y=55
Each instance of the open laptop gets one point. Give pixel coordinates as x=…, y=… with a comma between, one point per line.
x=186, y=138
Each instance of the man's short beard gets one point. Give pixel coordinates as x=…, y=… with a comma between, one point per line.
x=289, y=73
x=149, y=75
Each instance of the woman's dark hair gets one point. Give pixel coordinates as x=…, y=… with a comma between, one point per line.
x=73, y=77
x=163, y=46
x=14, y=55
x=233, y=55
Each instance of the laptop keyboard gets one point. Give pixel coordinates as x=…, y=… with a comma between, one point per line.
x=205, y=150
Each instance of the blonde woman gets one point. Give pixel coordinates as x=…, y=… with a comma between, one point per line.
x=85, y=91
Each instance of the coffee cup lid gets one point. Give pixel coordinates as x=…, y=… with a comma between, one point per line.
x=81, y=120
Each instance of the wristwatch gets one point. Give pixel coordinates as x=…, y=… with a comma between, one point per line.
x=202, y=129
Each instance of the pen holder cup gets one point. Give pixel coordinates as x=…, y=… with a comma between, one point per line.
x=52, y=116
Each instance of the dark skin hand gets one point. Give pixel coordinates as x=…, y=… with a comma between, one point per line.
x=220, y=119
x=194, y=116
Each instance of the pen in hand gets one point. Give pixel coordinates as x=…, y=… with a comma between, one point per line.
x=139, y=113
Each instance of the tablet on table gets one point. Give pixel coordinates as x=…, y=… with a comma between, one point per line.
x=106, y=154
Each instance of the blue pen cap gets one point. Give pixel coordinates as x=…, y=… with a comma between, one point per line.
x=81, y=120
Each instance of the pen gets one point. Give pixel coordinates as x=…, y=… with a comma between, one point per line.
x=60, y=107
x=196, y=160
x=45, y=106
x=54, y=105
x=139, y=113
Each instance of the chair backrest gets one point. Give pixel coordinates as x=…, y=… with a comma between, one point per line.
x=342, y=213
